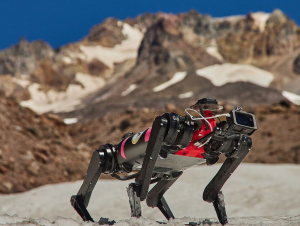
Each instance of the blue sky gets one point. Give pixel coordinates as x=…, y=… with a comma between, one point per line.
x=62, y=21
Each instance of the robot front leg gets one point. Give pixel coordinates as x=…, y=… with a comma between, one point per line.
x=212, y=193
x=138, y=191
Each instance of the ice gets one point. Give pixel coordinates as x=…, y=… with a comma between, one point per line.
x=220, y=74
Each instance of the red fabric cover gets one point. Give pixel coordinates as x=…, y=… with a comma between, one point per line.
x=192, y=150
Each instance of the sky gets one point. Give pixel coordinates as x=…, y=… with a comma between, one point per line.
x=63, y=21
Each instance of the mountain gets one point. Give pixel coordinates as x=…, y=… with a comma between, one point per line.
x=123, y=74
x=156, y=59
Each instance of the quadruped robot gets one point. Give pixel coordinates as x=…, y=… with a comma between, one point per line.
x=162, y=152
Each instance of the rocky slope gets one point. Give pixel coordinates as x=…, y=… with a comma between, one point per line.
x=36, y=150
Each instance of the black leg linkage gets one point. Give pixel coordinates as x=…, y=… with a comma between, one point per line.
x=155, y=196
x=159, y=129
x=165, y=209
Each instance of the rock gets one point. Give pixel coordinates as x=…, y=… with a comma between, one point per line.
x=124, y=124
x=18, y=128
x=41, y=157
x=36, y=132
x=296, y=65
x=170, y=107
x=107, y=34
x=7, y=185
x=3, y=169
x=42, y=149
x=34, y=168
x=83, y=147
x=56, y=118
x=29, y=155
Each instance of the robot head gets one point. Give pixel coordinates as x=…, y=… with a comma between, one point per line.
x=207, y=104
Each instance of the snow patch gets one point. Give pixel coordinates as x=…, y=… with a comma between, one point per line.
x=186, y=95
x=232, y=19
x=260, y=19
x=69, y=121
x=126, y=50
x=178, y=77
x=22, y=82
x=67, y=60
x=129, y=90
x=226, y=73
x=294, y=98
x=214, y=51
x=52, y=100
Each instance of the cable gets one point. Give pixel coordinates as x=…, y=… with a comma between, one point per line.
x=205, y=119
x=194, y=118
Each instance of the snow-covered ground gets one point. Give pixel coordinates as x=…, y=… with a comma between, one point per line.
x=253, y=190
x=245, y=221
x=220, y=74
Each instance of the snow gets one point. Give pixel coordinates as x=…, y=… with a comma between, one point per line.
x=214, y=51
x=178, y=77
x=129, y=90
x=294, y=98
x=63, y=101
x=246, y=221
x=232, y=19
x=69, y=121
x=260, y=19
x=126, y=50
x=67, y=60
x=186, y=95
x=253, y=190
x=22, y=82
x=220, y=74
